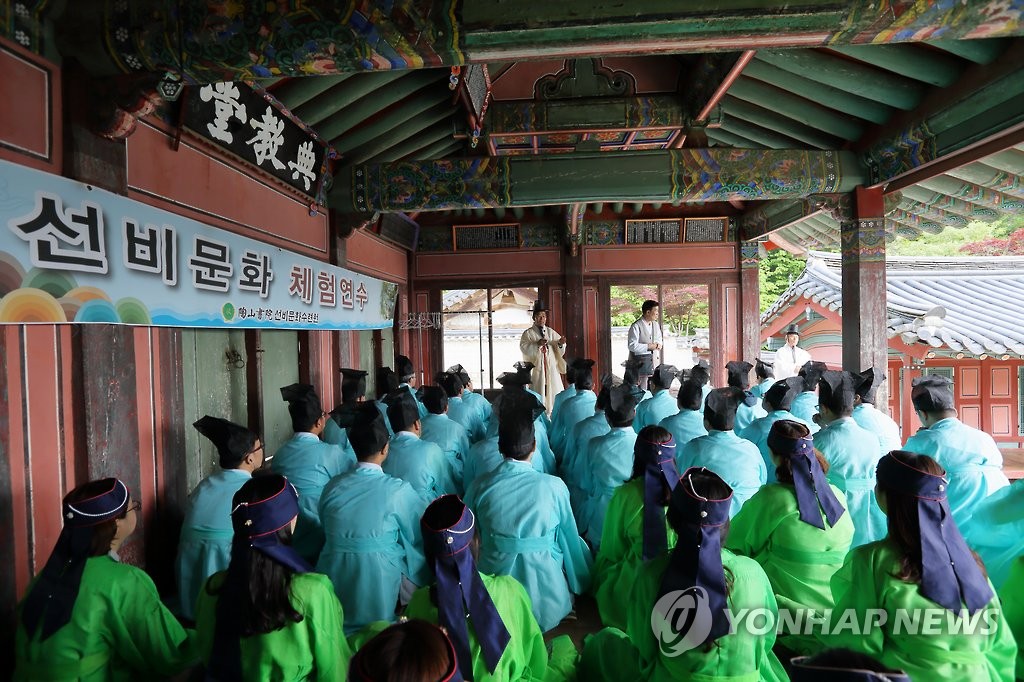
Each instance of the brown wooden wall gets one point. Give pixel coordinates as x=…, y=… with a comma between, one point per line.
x=86, y=401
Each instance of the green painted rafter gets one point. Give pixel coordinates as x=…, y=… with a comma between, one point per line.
x=851, y=76
x=928, y=66
x=766, y=118
x=984, y=202
x=324, y=105
x=349, y=114
x=798, y=108
x=833, y=98
x=295, y=92
x=388, y=122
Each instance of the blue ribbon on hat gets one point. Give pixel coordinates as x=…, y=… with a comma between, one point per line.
x=809, y=481
x=659, y=469
x=950, y=576
x=460, y=589
x=52, y=597
x=256, y=525
x=696, y=560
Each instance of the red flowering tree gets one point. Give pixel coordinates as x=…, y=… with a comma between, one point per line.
x=1010, y=245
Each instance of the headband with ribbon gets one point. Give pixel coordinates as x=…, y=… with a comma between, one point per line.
x=696, y=560
x=949, y=574
x=54, y=593
x=448, y=527
x=812, y=488
x=256, y=525
x=659, y=460
x=803, y=669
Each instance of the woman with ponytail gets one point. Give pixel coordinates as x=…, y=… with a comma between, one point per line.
x=634, y=525
x=268, y=617
x=942, y=620
x=798, y=529
x=89, y=617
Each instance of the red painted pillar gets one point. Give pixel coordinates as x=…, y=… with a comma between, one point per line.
x=865, y=342
x=750, y=302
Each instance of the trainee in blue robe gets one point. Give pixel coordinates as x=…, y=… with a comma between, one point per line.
x=453, y=440
x=372, y=523
x=870, y=418
x=541, y=425
x=527, y=530
x=382, y=407
x=746, y=414
x=609, y=465
x=309, y=464
x=577, y=452
x=206, y=535
x=971, y=458
x=760, y=389
x=736, y=460
x=574, y=410
x=757, y=433
x=805, y=406
x=421, y=464
x=420, y=407
x=995, y=530
x=480, y=407
x=684, y=426
x=463, y=413
x=650, y=412
x=562, y=396
x=853, y=455
x=484, y=457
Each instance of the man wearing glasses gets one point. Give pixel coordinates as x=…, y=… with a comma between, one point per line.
x=645, y=338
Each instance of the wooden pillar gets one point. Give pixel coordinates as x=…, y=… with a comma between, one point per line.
x=573, y=317
x=750, y=302
x=865, y=342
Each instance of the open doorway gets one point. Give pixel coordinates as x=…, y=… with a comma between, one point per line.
x=684, y=314
x=482, y=329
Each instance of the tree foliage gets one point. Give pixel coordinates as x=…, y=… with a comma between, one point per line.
x=1010, y=245
x=778, y=269
x=947, y=243
x=684, y=307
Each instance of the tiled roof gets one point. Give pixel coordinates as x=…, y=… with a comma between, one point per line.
x=974, y=305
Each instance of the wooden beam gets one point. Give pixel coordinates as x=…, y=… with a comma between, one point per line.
x=455, y=32
x=644, y=177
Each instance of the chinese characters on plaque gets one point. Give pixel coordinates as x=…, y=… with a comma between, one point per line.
x=239, y=119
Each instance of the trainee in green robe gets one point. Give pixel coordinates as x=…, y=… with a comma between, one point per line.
x=798, y=558
x=311, y=649
x=742, y=656
x=119, y=630
x=621, y=555
x=866, y=583
x=1011, y=595
x=525, y=657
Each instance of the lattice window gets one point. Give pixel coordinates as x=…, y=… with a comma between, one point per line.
x=653, y=231
x=705, y=230
x=474, y=237
x=397, y=228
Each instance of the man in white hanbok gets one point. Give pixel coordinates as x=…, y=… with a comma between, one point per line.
x=542, y=346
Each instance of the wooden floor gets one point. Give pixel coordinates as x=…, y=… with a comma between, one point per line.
x=1013, y=463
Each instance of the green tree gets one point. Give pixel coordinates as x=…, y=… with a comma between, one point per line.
x=946, y=243
x=778, y=269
